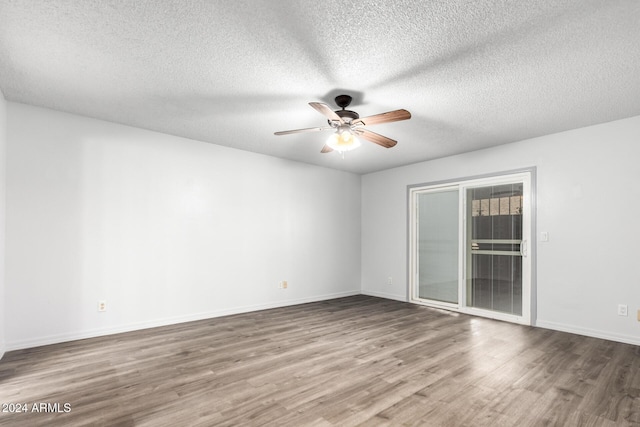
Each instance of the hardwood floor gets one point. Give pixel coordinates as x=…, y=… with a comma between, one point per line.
x=351, y=361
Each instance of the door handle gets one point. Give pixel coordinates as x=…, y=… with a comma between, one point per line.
x=523, y=248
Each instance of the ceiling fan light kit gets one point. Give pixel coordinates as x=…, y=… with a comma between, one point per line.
x=348, y=125
x=343, y=140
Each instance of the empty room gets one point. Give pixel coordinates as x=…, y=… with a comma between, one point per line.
x=305, y=213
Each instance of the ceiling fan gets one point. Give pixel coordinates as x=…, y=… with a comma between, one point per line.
x=348, y=125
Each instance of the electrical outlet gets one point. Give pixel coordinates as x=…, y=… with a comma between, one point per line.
x=622, y=309
x=389, y=280
x=102, y=306
x=283, y=284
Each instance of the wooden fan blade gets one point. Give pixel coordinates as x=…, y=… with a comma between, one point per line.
x=325, y=110
x=376, y=138
x=326, y=149
x=389, y=116
x=287, y=132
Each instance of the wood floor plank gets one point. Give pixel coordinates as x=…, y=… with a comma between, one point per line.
x=345, y=362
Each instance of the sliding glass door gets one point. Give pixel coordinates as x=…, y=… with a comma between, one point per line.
x=469, y=246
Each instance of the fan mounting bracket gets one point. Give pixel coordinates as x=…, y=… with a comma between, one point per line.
x=343, y=101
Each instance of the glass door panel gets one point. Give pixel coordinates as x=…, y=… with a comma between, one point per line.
x=494, y=248
x=438, y=245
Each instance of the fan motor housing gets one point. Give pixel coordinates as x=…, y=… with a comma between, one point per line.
x=348, y=114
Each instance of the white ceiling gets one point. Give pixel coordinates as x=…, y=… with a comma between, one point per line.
x=473, y=74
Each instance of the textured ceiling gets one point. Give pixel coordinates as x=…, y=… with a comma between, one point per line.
x=473, y=73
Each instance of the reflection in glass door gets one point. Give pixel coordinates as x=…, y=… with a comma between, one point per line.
x=494, y=248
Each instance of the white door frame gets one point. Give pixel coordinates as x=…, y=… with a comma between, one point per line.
x=527, y=177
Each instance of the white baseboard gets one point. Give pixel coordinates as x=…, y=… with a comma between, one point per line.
x=401, y=298
x=78, y=335
x=593, y=333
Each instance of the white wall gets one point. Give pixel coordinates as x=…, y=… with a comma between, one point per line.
x=164, y=229
x=588, y=199
x=3, y=148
